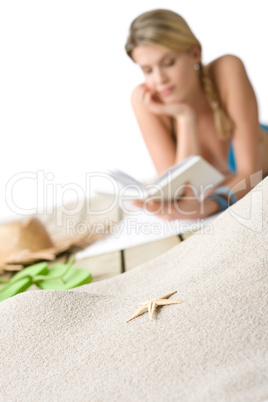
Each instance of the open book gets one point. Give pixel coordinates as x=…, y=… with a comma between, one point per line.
x=195, y=170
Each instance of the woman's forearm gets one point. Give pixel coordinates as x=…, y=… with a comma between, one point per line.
x=238, y=186
x=241, y=183
x=187, y=137
x=235, y=185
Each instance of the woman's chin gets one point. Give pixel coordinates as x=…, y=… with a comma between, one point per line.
x=168, y=100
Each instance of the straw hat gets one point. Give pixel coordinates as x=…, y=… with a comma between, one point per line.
x=24, y=242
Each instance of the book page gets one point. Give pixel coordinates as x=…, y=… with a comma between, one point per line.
x=176, y=168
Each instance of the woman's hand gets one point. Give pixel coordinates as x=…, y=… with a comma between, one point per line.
x=187, y=207
x=152, y=101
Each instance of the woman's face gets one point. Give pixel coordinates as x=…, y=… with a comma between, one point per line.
x=170, y=76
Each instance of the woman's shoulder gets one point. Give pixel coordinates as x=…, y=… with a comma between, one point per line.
x=224, y=64
x=224, y=71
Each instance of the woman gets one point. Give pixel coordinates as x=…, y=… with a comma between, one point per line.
x=185, y=107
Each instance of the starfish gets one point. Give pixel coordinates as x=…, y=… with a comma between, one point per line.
x=150, y=305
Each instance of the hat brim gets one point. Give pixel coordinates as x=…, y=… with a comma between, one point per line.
x=16, y=261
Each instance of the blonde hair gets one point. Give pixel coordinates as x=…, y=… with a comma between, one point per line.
x=170, y=30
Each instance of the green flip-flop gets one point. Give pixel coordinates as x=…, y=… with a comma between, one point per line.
x=22, y=280
x=57, y=277
x=13, y=289
x=33, y=270
x=62, y=277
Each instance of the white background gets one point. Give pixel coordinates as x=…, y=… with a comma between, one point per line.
x=65, y=85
